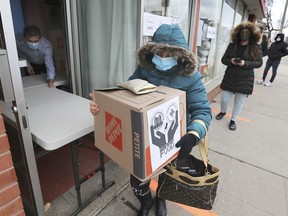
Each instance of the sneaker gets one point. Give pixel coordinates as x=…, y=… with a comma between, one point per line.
x=220, y=115
x=268, y=84
x=232, y=125
x=260, y=82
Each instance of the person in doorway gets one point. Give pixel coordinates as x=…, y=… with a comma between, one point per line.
x=276, y=51
x=242, y=55
x=38, y=52
x=167, y=61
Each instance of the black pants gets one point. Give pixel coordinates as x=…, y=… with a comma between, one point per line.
x=139, y=188
x=38, y=69
x=271, y=63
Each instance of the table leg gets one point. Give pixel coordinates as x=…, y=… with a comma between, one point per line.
x=78, y=181
x=74, y=150
x=102, y=167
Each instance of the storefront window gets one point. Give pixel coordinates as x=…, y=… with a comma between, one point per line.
x=231, y=3
x=177, y=9
x=223, y=36
x=239, y=13
x=206, y=41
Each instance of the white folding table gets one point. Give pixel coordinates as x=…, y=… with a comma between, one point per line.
x=57, y=118
x=41, y=80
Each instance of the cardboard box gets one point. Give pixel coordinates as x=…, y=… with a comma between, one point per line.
x=139, y=132
x=60, y=64
x=57, y=38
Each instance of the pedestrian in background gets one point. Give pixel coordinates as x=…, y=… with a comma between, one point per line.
x=276, y=51
x=37, y=51
x=242, y=55
x=167, y=61
x=264, y=45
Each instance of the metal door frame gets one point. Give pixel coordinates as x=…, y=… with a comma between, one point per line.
x=20, y=110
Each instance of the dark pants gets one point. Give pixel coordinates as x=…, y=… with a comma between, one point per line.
x=38, y=69
x=139, y=188
x=271, y=63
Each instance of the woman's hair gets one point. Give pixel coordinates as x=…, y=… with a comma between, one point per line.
x=31, y=30
x=253, y=48
x=254, y=39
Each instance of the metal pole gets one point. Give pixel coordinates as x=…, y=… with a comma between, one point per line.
x=20, y=110
x=283, y=17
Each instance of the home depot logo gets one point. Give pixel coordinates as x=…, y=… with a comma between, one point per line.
x=113, y=130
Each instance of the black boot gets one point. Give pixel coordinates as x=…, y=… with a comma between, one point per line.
x=146, y=204
x=161, y=209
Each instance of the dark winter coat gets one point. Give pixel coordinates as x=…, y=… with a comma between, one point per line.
x=241, y=79
x=182, y=76
x=264, y=45
x=277, y=50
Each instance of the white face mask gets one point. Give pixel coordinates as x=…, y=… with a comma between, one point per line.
x=278, y=39
x=164, y=64
x=33, y=45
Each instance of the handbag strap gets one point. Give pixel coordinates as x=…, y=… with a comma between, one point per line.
x=203, y=144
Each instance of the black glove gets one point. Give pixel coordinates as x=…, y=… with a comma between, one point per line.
x=186, y=143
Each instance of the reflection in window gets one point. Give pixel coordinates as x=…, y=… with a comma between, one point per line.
x=239, y=13
x=227, y=16
x=207, y=31
x=224, y=35
x=231, y=3
x=175, y=8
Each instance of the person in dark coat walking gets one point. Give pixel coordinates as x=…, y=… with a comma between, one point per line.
x=264, y=45
x=167, y=61
x=276, y=51
x=243, y=54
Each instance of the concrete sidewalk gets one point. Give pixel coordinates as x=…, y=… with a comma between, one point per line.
x=253, y=162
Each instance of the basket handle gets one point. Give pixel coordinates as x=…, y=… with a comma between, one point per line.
x=203, y=144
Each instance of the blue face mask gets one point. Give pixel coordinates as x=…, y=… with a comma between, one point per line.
x=164, y=64
x=278, y=39
x=33, y=45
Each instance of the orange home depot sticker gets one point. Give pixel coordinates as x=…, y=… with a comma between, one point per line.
x=113, y=130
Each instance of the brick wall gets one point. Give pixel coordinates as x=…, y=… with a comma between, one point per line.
x=10, y=200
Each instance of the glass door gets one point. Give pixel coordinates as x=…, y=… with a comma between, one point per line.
x=12, y=96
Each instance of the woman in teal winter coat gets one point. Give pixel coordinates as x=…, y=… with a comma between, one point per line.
x=167, y=61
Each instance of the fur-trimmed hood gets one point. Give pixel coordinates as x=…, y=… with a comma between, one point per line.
x=168, y=38
x=254, y=30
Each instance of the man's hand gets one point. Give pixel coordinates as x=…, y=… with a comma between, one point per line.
x=51, y=84
x=93, y=106
x=30, y=71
